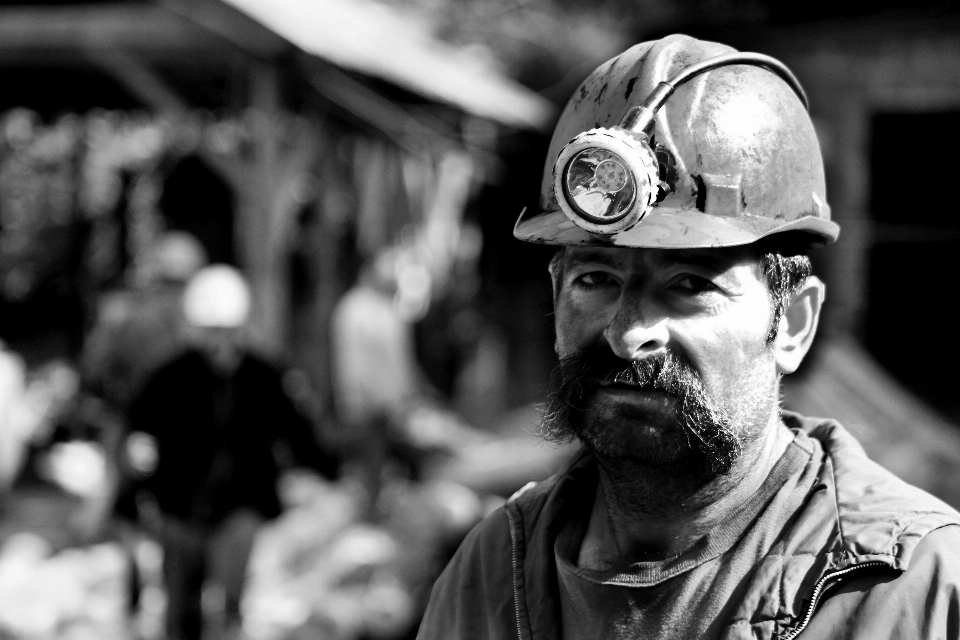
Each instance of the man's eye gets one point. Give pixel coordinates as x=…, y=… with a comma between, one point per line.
x=695, y=284
x=594, y=279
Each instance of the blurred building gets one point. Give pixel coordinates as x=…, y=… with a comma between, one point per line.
x=295, y=140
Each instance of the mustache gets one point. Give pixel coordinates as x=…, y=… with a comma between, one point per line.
x=657, y=373
x=595, y=366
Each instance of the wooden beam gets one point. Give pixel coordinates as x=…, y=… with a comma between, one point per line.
x=172, y=28
x=230, y=24
x=414, y=135
x=127, y=26
x=139, y=80
x=256, y=198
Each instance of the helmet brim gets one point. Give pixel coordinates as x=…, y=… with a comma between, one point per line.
x=666, y=228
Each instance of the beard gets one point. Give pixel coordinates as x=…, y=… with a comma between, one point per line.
x=665, y=448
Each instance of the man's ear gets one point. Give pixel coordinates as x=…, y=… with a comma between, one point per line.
x=798, y=325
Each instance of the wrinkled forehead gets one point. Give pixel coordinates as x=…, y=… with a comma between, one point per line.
x=717, y=260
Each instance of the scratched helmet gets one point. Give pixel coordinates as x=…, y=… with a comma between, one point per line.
x=682, y=143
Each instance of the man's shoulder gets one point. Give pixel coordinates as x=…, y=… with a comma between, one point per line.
x=490, y=538
x=919, y=602
x=859, y=524
x=878, y=515
x=476, y=588
x=507, y=554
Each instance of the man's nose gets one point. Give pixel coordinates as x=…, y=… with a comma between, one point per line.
x=636, y=330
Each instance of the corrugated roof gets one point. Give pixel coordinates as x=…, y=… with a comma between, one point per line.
x=377, y=40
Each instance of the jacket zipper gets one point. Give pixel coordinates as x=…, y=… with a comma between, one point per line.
x=818, y=592
x=513, y=553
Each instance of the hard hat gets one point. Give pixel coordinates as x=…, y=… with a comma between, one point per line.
x=682, y=143
x=217, y=296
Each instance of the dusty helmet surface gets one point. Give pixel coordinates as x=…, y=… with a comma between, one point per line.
x=728, y=158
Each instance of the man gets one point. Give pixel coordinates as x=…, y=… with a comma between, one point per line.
x=18, y=420
x=137, y=329
x=215, y=418
x=373, y=369
x=684, y=187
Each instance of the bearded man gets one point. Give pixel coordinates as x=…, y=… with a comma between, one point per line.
x=685, y=189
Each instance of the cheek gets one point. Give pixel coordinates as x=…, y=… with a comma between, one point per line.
x=576, y=324
x=727, y=350
x=751, y=318
x=568, y=330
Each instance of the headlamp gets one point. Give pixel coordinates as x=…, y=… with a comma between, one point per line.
x=608, y=176
x=606, y=180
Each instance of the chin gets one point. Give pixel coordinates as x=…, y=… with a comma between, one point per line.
x=646, y=436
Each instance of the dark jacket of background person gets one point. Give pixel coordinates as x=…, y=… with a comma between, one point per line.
x=219, y=438
x=870, y=556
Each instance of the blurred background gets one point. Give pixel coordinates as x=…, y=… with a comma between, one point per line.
x=362, y=163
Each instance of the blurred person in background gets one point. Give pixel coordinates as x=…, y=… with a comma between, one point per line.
x=206, y=432
x=17, y=420
x=137, y=329
x=684, y=190
x=375, y=373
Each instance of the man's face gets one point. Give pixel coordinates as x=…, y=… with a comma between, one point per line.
x=664, y=355
x=222, y=346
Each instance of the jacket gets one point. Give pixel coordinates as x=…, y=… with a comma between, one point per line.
x=866, y=556
x=218, y=438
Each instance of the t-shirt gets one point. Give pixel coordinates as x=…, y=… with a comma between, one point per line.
x=690, y=595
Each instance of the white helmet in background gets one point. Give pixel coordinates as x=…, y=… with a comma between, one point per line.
x=217, y=296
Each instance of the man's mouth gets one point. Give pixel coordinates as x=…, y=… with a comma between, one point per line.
x=637, y=396
x=618, y=387
x=631, y=387
x=626, y=380
x=620, y=384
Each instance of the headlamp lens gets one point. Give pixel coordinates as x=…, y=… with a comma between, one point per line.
x=599, y=186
